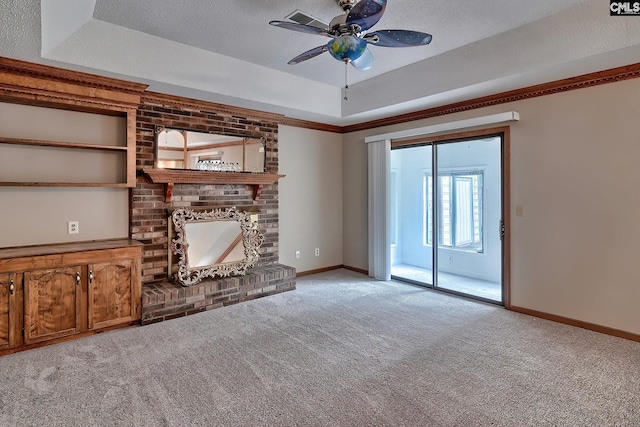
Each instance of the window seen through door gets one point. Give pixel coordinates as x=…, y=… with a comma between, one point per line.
x=460, y=209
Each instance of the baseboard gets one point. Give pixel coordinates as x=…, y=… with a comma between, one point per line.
x=318, y=270
x=335, y=267
x=356, y=269
x=579, y=323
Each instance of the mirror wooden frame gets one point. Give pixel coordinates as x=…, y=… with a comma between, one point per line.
x=252, y=239
x=246, y=142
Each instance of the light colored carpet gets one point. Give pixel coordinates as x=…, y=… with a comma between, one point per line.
x=342, y=350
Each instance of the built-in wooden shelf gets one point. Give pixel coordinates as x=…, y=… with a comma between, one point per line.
x=169, y=177
x=73, y=146
x=39, y=143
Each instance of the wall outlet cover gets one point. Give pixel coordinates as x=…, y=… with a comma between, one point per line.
x=73, y=227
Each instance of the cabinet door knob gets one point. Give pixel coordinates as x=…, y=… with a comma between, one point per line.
x=11, y=287
x=77, y=278
x=90, y=276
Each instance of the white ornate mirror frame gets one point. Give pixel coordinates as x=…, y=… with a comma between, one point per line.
x=249, y=234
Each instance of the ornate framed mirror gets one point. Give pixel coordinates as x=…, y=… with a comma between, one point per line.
x=216, y=243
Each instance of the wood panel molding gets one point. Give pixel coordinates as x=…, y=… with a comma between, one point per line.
x=586, y=80
x=38, y=84
x=47, y=72
x=356, y=269
x=335, y=267
x=578, y=323
x=288, y=121
x=173, y=101
x=41, y=84
x=318, y=270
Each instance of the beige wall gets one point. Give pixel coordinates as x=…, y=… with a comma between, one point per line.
x=32, y=216
x=310, y=197
x=573, y=163
x=574, y=170
x=38, y=215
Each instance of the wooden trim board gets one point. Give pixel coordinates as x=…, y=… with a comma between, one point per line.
x=578, y=323
x=579, y=82
x=86, y=91
x=335, y=267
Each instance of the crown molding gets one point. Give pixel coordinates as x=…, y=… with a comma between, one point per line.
x=311, y=125
x=579, y=82
x=25, y=82
x=35, y=83
x=163, y=99
x=47, y=72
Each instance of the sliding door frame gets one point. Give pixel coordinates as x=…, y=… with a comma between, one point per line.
x=504, y=133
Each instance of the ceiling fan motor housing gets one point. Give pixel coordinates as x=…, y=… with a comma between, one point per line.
x=347, y=4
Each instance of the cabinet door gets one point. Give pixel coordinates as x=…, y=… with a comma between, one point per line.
x=114, y=296
x=52, y=303
x=9, y=315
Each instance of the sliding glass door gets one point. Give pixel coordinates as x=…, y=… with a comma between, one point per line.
x=446, y=214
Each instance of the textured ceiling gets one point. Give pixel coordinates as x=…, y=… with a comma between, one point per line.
x=240, y=29
x=225, y=51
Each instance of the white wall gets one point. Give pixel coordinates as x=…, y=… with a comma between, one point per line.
x=310, y=197
x=574, y=170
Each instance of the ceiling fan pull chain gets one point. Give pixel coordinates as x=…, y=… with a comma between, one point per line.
x=346, y=80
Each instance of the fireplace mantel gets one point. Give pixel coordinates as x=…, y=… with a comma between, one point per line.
x=169, y=177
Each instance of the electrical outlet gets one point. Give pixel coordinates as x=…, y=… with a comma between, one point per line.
x=520, y=211
x=73, y=227
x=297, y=254
x=317, y=251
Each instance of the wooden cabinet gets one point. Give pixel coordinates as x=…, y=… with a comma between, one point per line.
x=52, y=303
x=113, y=293
x=53, y=292
x=10, y=325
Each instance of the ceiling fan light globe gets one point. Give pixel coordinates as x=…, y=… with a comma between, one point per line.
x=347, y=48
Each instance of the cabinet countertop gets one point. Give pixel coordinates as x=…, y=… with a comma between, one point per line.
x=60, y=248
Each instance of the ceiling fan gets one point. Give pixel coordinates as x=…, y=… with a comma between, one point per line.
x=349, y=36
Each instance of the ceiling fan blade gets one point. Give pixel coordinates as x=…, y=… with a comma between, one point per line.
x=308, y=54
x=398, y=38
x=365, y=62
x=300, y=28
x=366, y=13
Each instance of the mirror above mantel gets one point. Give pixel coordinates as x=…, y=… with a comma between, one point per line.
x=186, y=149
x=190, y=157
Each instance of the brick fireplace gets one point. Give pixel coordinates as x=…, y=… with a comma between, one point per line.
x=162, y=299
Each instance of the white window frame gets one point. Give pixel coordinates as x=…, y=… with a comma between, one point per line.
x=477, y=210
